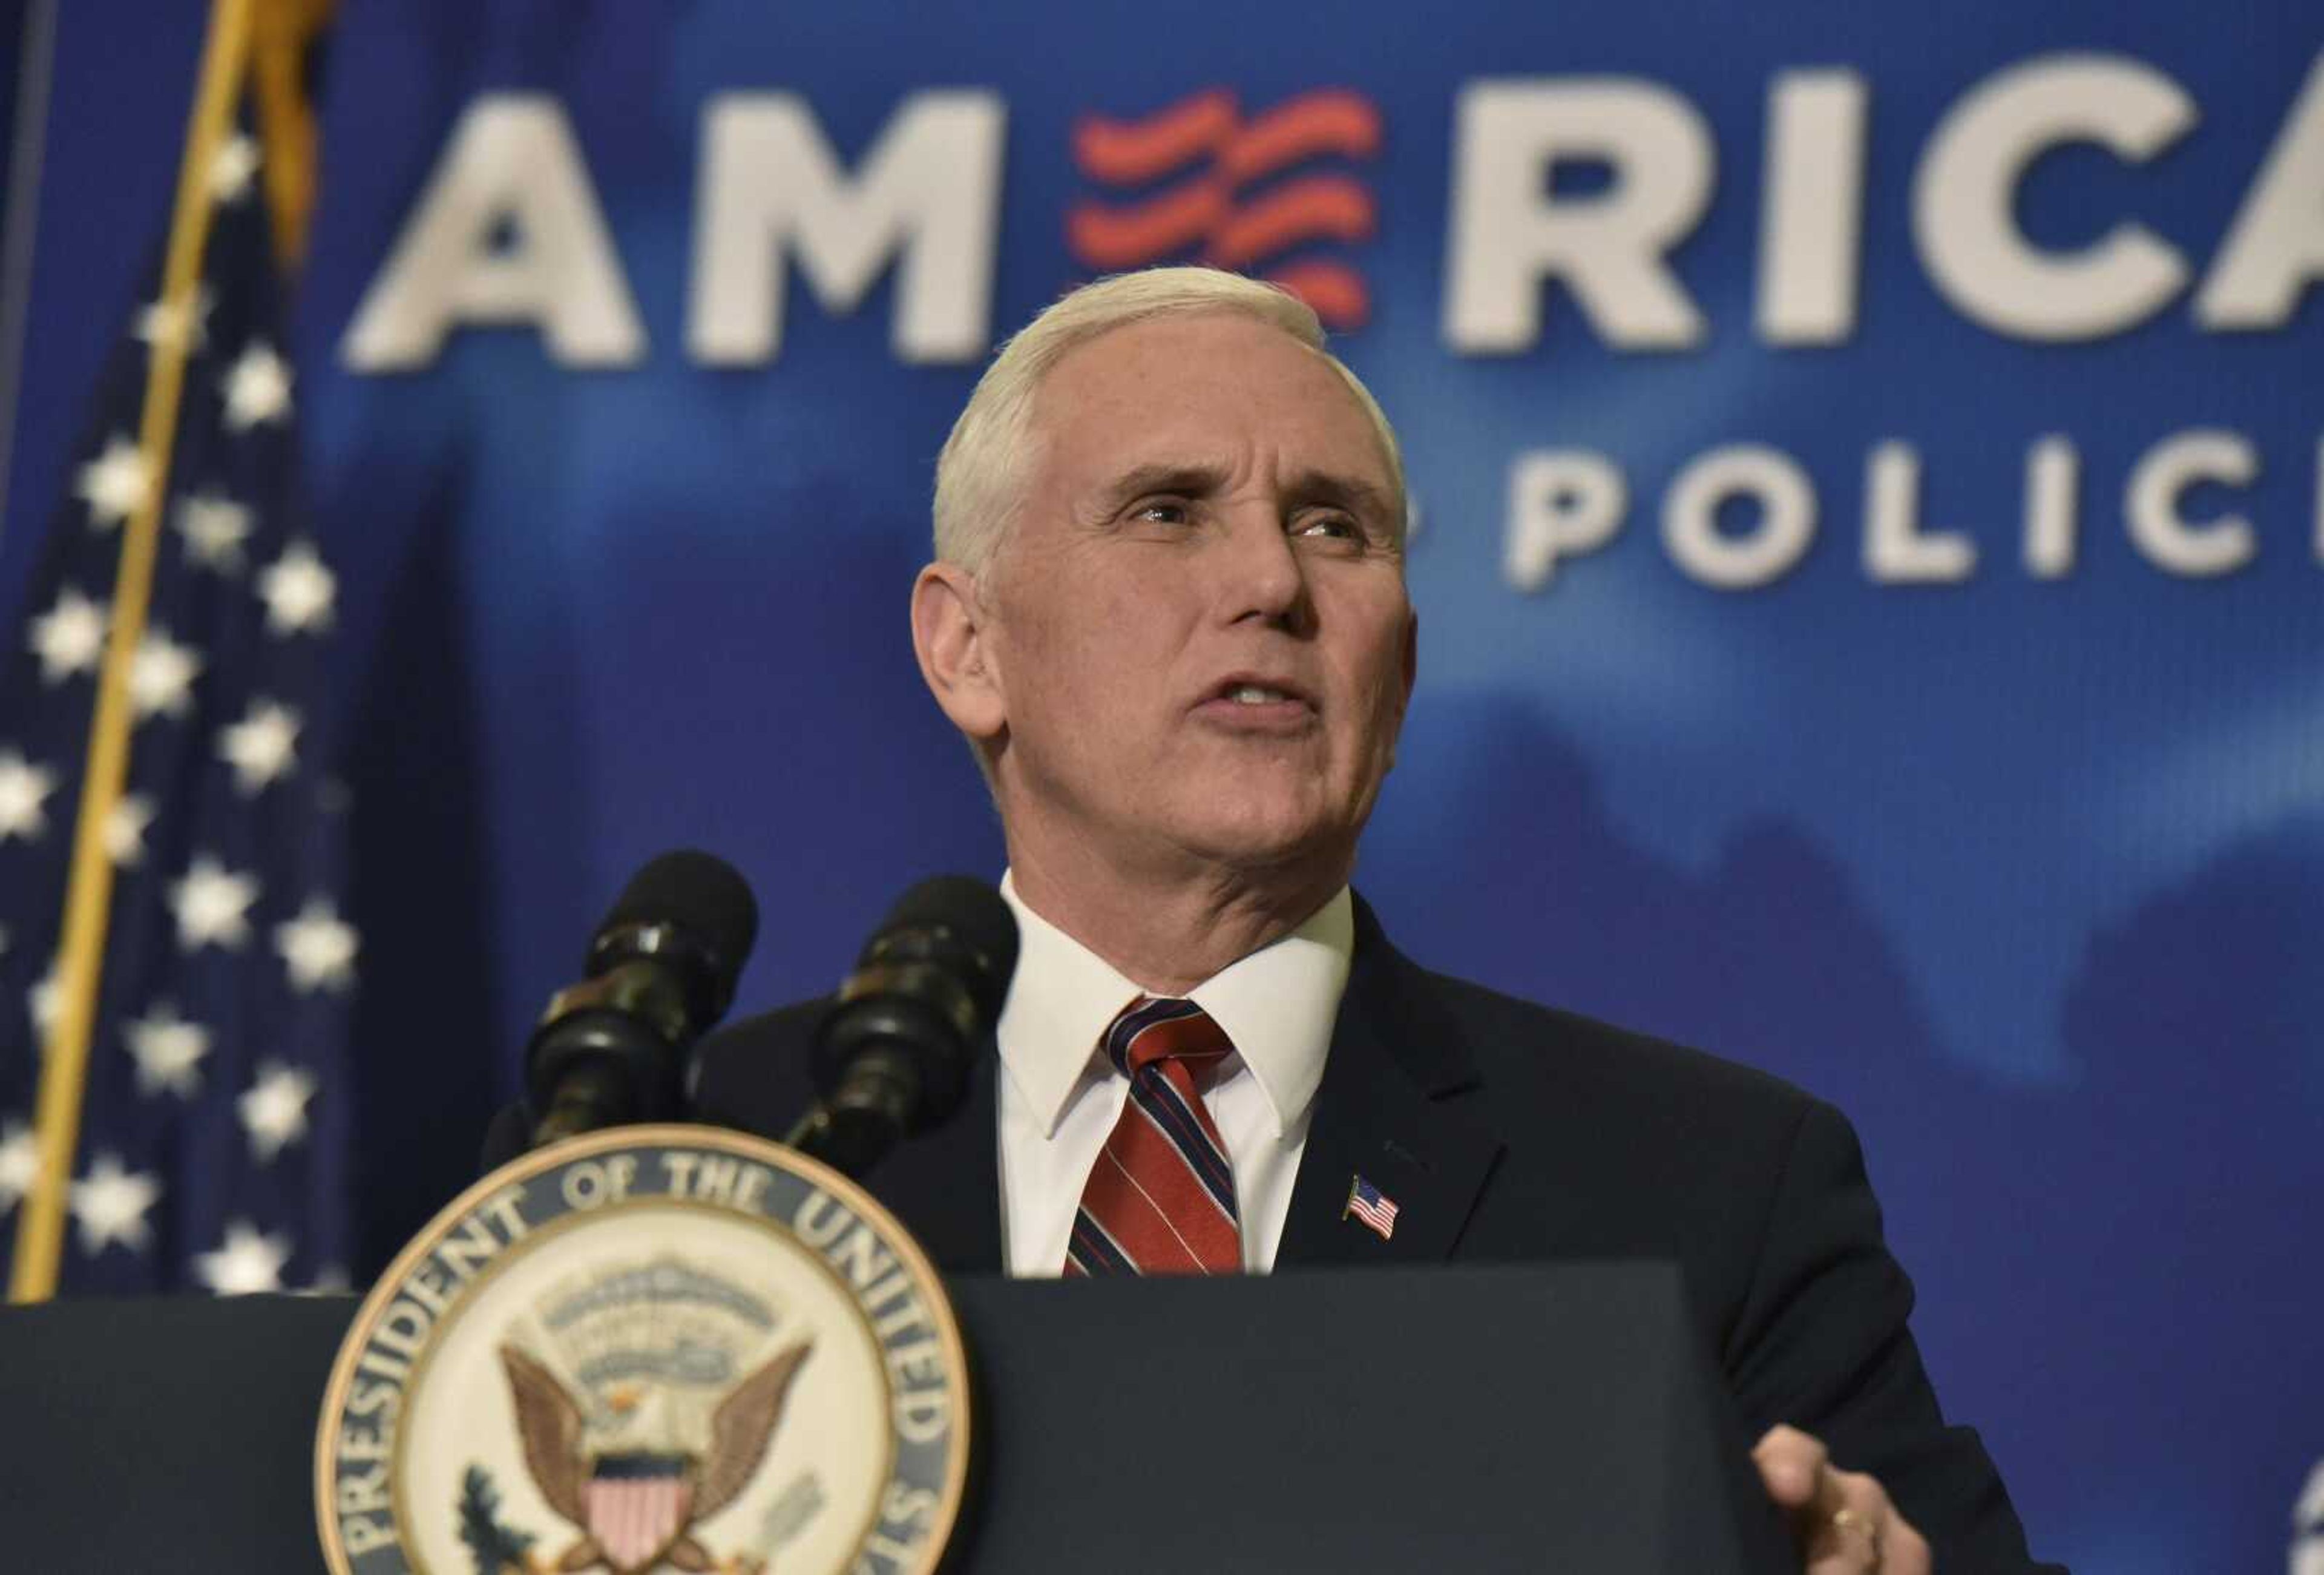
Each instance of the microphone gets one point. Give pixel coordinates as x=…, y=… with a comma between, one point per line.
x=660, y=970
x=892, y=1056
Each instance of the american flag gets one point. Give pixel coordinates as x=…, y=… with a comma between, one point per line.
x=213, y=1135
x=1367, y=1203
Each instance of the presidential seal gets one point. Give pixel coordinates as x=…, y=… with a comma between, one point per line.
x=652, y=1348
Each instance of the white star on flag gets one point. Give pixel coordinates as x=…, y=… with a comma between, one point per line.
x=168, y=1051
x=109, y=1205
x=274, y=1109
x=161, y=674
x=257, y=388
x=41, y=1002
x=298, y=590
x=250, y=1262
x=114, y=484
x=261, y=746
x=20, y=1162
x=231, y=168
x=319, y=947
x=212, y=904
x=23, y=789
x=70, y=637
x=181, y=327
x=215, y=528
x=125, y=829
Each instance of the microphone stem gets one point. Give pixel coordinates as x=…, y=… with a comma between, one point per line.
x=588, y=1097
x=866, y=1115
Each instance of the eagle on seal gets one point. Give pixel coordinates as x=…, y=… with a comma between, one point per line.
x=636, y=1509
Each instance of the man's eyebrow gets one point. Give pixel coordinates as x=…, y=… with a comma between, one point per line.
x=1165, y=476
x=1349, y=491
x=1194, y=480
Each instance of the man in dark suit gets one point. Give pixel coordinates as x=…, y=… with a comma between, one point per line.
x=1169, y=614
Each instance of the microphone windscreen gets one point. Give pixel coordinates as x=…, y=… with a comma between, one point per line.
x=981, y=924
x=699, y=894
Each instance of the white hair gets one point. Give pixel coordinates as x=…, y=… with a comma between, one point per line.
x=979, y=474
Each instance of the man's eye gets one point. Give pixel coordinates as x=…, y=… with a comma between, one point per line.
x=1331, y=526
x=1165, y=511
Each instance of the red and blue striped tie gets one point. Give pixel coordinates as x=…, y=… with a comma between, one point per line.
x=1161, y=1197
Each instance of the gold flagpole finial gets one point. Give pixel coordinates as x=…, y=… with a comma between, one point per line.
x=286, y=31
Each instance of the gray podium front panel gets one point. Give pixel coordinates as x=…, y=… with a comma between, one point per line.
x=1522, y=1419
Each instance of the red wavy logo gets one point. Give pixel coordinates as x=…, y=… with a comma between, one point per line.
x=1210, y=212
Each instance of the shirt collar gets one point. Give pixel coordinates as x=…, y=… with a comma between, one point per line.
x=1277, y=1005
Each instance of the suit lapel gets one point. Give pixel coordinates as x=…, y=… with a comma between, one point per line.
x=1379, y=1114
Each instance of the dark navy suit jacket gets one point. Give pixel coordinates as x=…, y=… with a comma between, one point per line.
x=1507, y=1132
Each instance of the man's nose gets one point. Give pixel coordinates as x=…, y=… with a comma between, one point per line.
x=1261, y=572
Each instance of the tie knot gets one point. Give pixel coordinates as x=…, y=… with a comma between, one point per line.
x=1157, y=1028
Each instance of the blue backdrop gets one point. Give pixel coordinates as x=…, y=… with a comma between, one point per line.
x=1869, y=561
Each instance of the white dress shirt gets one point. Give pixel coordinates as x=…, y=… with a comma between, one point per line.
x=1060, y=1096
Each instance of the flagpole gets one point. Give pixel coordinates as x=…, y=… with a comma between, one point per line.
x=88, y=898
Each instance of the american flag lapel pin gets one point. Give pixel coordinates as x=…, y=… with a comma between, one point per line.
x=1375, y=1208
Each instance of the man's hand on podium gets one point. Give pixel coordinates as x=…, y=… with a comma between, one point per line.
x=1841, y=1521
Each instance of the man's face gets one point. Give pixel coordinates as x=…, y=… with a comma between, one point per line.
x=1198, y=625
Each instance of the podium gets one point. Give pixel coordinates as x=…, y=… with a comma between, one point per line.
x=1552, y=1417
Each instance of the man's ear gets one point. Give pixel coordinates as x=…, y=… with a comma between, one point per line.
x=952, y=636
